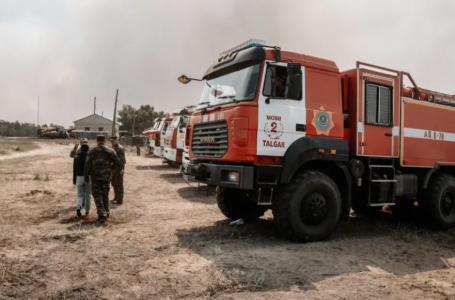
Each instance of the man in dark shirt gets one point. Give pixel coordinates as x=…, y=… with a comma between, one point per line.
x=101, y=160
x=75, y=150
x=117, y=174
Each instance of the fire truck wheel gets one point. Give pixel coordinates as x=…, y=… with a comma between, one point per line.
x=441, y=201
x=308, y=208
x=237, y=204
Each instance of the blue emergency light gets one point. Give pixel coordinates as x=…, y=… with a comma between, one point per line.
x=245, y=45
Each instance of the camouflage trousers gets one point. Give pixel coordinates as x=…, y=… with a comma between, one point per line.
x=117, y=184
x=100, y=192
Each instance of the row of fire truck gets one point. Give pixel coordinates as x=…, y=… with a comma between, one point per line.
x=168, y=137
x=288, y=131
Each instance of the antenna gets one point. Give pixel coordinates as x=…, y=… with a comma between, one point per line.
x=213, y=54
x=37, y=124
x=94, y=106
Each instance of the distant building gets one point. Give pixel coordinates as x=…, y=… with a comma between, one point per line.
x=93, y=125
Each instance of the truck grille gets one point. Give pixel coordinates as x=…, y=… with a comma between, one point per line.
x=210, y=139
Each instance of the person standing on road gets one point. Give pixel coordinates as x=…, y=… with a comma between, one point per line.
x=101, y=160
x=84, y=190
x=75, y=150
x=117, y=174
x=138, y=146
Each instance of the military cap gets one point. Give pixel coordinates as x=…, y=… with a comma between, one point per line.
x=100, y=138
x=114, y=137
x=84, y=141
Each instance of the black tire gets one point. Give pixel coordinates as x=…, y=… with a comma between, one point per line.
x=237, y=204
x=307, y=209
x=440, y=201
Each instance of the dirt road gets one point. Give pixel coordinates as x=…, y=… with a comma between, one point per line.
x=166, y=242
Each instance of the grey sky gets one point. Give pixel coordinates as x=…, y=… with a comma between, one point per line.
x=67, y=52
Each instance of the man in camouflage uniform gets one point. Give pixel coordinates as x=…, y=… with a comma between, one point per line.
x=98, y=167
x=75, y=150
x=117, y=174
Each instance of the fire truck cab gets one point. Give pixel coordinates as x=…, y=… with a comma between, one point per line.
x=290, y=132
x=157, y=143
x=174, y=139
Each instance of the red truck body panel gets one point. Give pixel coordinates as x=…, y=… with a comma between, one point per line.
x=427, y=135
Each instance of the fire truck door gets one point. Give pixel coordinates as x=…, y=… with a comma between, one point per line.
x=281, y=121
x=376, y=118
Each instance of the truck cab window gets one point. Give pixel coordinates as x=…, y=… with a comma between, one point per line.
x=378, y=104
x=275, y=82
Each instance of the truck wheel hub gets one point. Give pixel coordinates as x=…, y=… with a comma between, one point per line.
x=313, y=209
x=448, y=202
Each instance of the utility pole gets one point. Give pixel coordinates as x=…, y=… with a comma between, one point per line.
x=115, y=114
x=38, y=114
x=94, y=106
x=134, y=122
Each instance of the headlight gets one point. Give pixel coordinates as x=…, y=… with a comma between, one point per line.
x=233, y=176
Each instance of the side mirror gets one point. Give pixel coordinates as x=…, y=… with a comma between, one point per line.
x=184, y=79
x=294, y=81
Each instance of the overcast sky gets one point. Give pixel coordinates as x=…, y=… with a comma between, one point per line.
x=68, y=51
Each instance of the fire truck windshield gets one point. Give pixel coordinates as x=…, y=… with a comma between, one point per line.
x=240, y=85
x=175, y=122
x=156, y=126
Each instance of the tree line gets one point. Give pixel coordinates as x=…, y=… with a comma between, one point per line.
x=21, y=129
x=141, y=118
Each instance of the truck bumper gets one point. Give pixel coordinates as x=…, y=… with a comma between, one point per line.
x=235, y=176
x=170, y=154
x=158, y=151
x=219, y=175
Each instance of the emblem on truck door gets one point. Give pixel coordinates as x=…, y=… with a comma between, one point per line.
x=322, y=121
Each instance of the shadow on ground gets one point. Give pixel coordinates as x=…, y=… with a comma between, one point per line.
x=155, y=167
x=191, y=193
x=255, y=255
x=65, y=211
x=172, y=177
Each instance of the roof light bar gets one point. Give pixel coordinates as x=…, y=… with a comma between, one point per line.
x=245, y=45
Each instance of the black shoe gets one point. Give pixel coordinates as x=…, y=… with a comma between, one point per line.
x=78, y=212
x=114, y=201
x=101, y=221
x=108, y=215
x=119, y=203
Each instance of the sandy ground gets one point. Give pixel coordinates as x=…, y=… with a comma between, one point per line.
x=166, y=242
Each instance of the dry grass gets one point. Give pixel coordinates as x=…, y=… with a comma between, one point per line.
x=8, y=146
x=165, y=242
x=18, y=278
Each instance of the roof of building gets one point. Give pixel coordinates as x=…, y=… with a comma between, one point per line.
x=97, y=116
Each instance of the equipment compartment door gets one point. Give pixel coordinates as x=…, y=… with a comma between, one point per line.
x=377, y=115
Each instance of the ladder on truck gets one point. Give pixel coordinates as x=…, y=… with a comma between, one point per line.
x=385, y=167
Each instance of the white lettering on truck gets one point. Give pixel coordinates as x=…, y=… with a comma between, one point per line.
x=273, y=144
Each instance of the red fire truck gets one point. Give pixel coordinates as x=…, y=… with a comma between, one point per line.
x=157, y=136
x=174, y=139
x=290, y=132
x=151, y=134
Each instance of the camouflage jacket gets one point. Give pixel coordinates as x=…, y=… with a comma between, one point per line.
x=121, y=155
x=100, y=162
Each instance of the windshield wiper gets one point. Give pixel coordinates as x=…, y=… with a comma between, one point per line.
x=204, y=103
x=230, y=97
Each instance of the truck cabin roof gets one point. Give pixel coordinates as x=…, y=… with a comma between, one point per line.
x=241, y=59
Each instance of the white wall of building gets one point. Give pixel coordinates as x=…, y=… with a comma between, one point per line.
x=94, y=123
